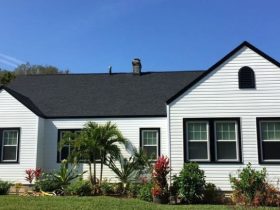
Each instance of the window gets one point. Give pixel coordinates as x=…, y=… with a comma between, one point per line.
x=150, y=142
x=226, y=140
x=198, y=141
x=9, y=145
x=65, y=151
x=246, y=77
x=212, y=140
x=269, y=139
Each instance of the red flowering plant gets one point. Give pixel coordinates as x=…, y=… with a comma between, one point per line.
x=32, y=174
x=159, y=176
x=29, y=175
x=37, y=173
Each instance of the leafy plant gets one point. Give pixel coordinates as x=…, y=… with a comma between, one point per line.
x=32, y=174
x=212, y=195
x=128, y=170
x=65, y=175
x=145, y=192
x=133, y=190
x=80, y=188
x=93, y=142
x=191, y=183
x=249, y=185
x=106, y=188
x=160, y=171
x=4, y=187
x=46, y=183
x=29, y=175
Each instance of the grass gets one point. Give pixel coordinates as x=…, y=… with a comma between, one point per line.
x=98, y=203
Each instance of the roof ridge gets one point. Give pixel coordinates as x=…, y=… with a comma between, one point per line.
x=114, y=73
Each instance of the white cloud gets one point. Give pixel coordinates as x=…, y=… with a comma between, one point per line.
x=9, y=60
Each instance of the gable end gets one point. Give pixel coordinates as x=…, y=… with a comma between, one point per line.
x=243, y=44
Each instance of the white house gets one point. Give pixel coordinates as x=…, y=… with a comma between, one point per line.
x=222, y=118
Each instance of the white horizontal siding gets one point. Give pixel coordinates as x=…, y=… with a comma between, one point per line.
x=218, y=95
x=128, y=126
x=15, y=114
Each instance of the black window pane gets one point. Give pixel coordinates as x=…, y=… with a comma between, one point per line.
x=226, y=150
x=198, y=150
x=246, y=77
x=9, y=153
x=151, y=151
x=271, y=150
x=64, y=153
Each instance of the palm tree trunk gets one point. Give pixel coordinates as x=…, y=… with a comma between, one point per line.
x=90, y=173
x=94, y=171
x=101, y=170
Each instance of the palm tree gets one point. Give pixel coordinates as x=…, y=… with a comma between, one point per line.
x=84, y=147
x=109, y=139
x=94, y=142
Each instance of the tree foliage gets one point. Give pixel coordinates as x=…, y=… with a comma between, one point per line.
x=94, y=142
x=7, y=76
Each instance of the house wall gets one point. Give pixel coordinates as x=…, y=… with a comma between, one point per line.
x=14, y=114
x=128, y=126
x=218, y=95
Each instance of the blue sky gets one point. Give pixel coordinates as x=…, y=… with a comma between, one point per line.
x=89, y=35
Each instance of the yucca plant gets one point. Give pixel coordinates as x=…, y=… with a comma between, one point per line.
x=66, y=174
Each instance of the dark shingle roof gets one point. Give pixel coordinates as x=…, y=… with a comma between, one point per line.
x=100, y=95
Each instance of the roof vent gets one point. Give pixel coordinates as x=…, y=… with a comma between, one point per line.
x=110, y=69
x=136, y=65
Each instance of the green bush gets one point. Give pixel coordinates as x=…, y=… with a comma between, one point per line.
x=191, y=183
x=145, y=192
x=117, y=188
x=46, y=183
x=4, y=187
x=133, y=190
x=212, y=195
x=106, y=188
x=80, y=188
x=247, y=184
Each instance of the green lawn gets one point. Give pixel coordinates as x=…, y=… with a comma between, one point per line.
x=100, y=203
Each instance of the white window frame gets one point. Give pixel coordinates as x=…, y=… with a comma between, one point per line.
x=14, y=145
x=261, y=140
x=152, y=145
x=207, y=141
x=236, y=140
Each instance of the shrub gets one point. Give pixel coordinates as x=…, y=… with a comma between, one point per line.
x=46, y=183
x=32, y=174
x=191, y=183
x=80, y=188
x=133, y=190
x=117, y=188
x=4, y=187
x=106, y=188
x=145, y=192
x=251, y=188
x=212, y=195
x=160, y=171
x=248, y=182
